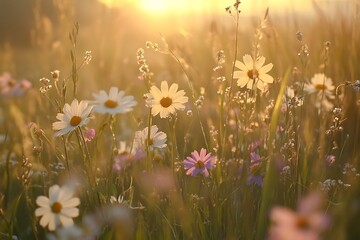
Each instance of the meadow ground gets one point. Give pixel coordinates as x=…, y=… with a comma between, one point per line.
x=117, y=123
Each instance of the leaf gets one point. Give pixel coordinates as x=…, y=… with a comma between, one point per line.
x=270, y=175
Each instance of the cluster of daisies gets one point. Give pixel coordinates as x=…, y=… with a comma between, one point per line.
x=164, y=102
x=60, y=207
x=253, y=74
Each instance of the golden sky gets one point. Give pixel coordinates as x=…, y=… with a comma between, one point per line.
x=163, y=6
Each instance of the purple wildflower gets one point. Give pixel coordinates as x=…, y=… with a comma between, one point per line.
x=255, y=158
x=199, y=163
x=126, y=155
x=254, y=145
x=255, y=167
x=124, y=159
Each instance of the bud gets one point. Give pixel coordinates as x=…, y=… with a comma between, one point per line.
x=299, y=36
x=55, y=75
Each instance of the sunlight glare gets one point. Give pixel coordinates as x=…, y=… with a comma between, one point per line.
x=157, y=6
x=182, y=6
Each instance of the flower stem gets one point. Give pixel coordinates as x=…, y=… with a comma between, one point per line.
x=148, y=153
x=174, y=149
x=66, y=154
x=87, y=161
x=192, y=94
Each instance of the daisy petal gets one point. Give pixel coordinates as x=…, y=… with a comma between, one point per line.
x=266, y=78
x=259, y=63
x=265, y=68
x=66, y=221
x=248, y=61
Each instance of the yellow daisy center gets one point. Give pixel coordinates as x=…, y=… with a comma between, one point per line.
x=199, y=164
x=56, y=207
x=302, y=223
x=253, y=74
x=110, y=104
x=75, y=120
x=320, y=87
x=166, y=102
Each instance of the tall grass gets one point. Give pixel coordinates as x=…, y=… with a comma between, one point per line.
x=272, y=148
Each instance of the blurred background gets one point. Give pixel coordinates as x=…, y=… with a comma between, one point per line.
x=34, y=34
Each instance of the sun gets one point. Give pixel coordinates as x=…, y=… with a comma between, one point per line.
x=161, y=6
x=156, y=6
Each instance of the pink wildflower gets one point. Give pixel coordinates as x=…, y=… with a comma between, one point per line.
x=199, y=163
x=90, y=134
x=308, y=223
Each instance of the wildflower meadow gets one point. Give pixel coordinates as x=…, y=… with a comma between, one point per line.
x=122, y=122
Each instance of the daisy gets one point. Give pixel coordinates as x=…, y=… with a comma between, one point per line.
x=324, y=89
x=166, y=100
x=199, y=163
x=115, y=102
x=156, y=139
x=320, y=84
x=253, y=72
x=59, y=208
x=73, y=116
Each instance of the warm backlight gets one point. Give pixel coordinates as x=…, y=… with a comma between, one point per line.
x=159, y=6
x=247, y=6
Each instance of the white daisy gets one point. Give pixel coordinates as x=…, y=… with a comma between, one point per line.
x=253, y=72
x=115, y=102
x=324, y=89
x=166, y=100
x=73, y=116
x=320, y=84
x=156, y=139
x=59, y=208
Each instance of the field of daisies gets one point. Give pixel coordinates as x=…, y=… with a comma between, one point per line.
x=238, y=129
